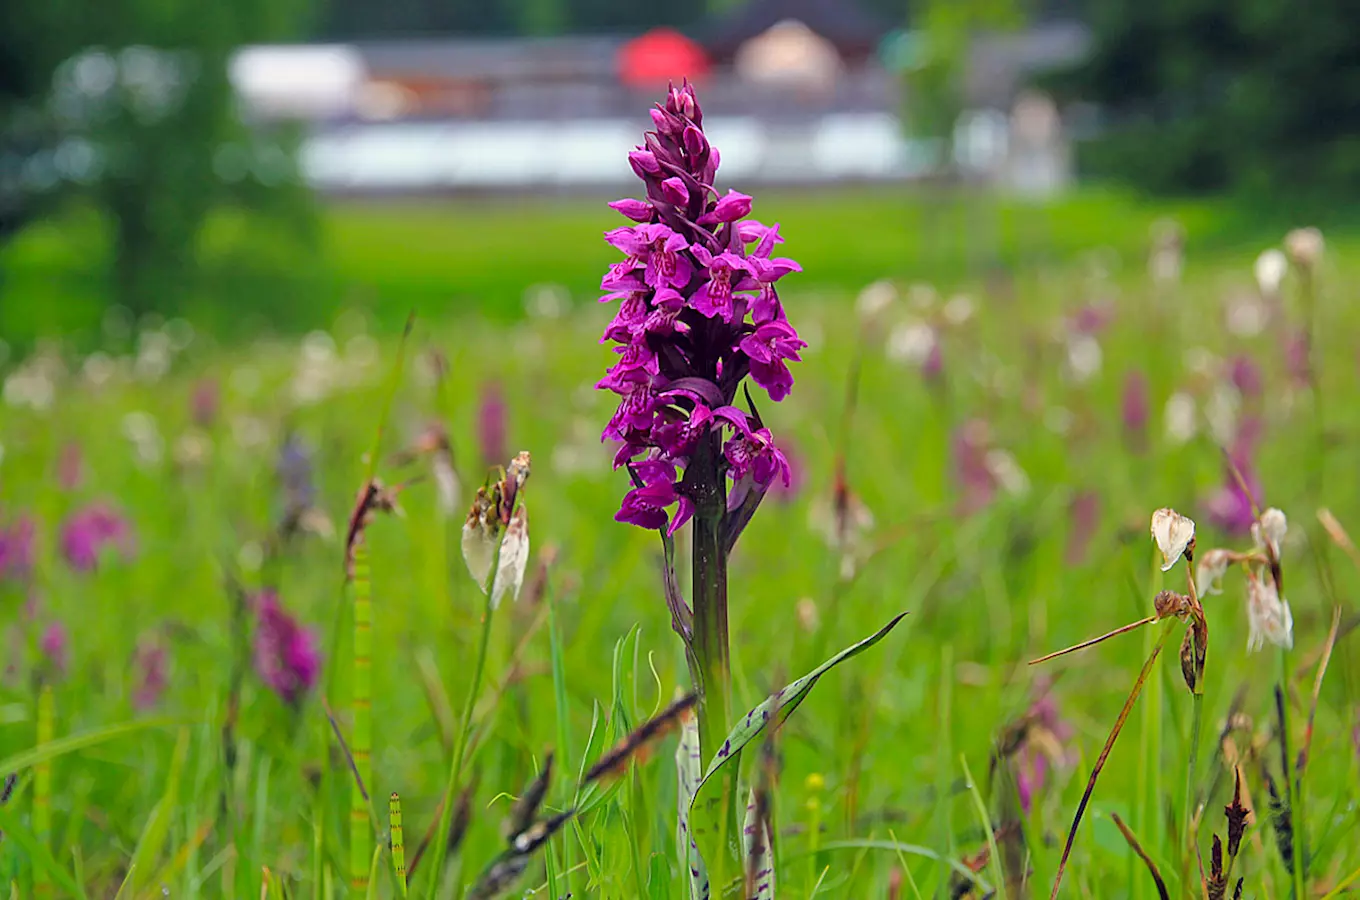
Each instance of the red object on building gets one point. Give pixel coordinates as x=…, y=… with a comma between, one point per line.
x=659, y=56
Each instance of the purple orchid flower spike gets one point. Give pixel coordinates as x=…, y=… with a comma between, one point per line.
x=699, y=311
x=286, y=655
x=87, y=532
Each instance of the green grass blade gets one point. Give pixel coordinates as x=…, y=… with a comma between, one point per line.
x=62, y=746
x=157, y=829
x=985, y=820
x=40, y=855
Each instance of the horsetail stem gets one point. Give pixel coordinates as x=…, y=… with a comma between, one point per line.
x=398, y=842
x=42, y=789
x=360, y=831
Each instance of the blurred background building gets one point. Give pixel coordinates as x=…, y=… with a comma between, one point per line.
x=804, y=91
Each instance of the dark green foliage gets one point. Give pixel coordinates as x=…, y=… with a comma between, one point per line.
x=125, y=109
x=1204, y=95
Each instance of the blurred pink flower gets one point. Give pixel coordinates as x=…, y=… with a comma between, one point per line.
x=1046, y=734
x=1296, y=359
x=1134, y=408
x=1084, y=519
x=933, y=366
x=54, y=647
x=88, y=531
x=1245, y=375
x=70, y=467
x=491, y=425
x=286, y=655
x=968, y=448
x=204, y=402
x=150, y=665
x=16, y=548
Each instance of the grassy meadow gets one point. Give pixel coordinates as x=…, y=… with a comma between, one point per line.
x=999, y=491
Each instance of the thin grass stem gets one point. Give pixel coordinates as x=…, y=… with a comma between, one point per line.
x=1095, y=640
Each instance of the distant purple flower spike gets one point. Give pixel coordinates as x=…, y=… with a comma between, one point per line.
x=286, y=655
x=1245, y=375
x=151, y=666
x=1134, y=408
x=88, y=531
x=698, y=306
x=55, y=647
x=16, y=548
x=207, y=397
x=294, y=470
x=70, y=467
x=491, y=428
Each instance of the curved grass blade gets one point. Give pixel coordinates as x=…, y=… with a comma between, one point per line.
x=60, y=747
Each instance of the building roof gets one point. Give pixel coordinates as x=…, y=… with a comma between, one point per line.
x=494, y=59
x=854, y=32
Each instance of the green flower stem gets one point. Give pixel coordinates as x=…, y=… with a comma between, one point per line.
x=441, y=836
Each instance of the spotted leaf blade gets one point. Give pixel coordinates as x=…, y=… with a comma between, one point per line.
x=761, y=863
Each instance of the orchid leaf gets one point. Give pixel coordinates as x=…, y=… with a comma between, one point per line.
x=757, y=844
x=688, y=767
x=706, y=827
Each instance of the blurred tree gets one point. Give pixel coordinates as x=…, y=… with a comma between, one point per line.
x=125, y=105
x=1202, y=95
x=936, y=58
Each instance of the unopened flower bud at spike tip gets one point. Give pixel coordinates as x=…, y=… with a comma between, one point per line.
x=1174, y=534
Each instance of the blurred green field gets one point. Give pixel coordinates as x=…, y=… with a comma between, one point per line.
x=888, y=733
x=452, y=257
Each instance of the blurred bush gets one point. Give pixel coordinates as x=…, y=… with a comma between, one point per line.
x=123, y=109
x=1207, y=95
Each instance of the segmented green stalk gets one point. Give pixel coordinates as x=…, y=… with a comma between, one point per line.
x=42, y=789
x=398, y=842
x=361, y=744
